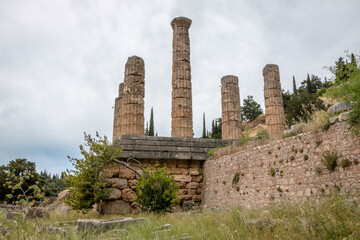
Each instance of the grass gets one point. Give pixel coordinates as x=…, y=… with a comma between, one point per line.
x=330, y=160
x=331, y=217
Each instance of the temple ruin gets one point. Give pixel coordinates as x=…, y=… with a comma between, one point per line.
x=274, y=108
x=117, y=113
x=230, y=105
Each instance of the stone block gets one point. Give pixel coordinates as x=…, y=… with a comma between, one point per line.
x=339, y=107
x=115, y=194
x=192, y=185
x=115, y=207
x=344, y=116
x=184, y=171
x=132, y=183
x=333, y=120
x=128, y=195
x=182, y=178
x=117, y=183
x=182, y=192
x=196, y=178
x=126, y=173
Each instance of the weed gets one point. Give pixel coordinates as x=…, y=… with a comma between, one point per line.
x=301, y=150
x=262, y=134
x=279, y=189
x=272, y=172
x=242, y=174
x=237, y=188
x=356, y=162
x=224, y=182
x=329, y=159
x=292, y=158
x=281, y=161
x=345, y=163
x=212, y=151
x=269, y=152
x=306, y=157
x=326, y=125
x=236, y=178
x=318, y=170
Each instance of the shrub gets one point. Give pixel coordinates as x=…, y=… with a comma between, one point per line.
x=262, y=134
x=345, y=163
x=156, y=191
x=87, y=181
x=330, y=160
x=272, y=172
x=212, y=151
x=326, y=125
x=236, y=178
x=246, y=136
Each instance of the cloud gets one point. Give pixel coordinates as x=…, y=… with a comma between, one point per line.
x=61, y=61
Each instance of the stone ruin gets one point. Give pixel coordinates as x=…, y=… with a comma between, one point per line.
x=183, y=154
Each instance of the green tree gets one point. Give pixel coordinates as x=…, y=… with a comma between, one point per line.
x=17, y=168
x=87, y=181
x=147, y=129
x=286, y=96
x=294, y=86
x=151, y=128
x=250, y=109
x=204, y=127
x=53, y=185
x=156, y=191
x=216, y=128
x=311, y=84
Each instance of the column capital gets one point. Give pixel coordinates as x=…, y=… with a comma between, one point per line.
x=270, y=68
x=181, y=22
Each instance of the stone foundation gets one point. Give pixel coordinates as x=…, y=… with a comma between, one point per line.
x=288, y=169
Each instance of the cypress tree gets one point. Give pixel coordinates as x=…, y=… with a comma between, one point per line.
x=294, y=86
x=308, y=84
x=151, y=128
x=204, y=127
x=147, y=129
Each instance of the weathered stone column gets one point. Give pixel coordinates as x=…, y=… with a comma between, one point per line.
x=132, y=109
x=181, y=111
x=274, y=108
x=117, y=113
x=231, y=110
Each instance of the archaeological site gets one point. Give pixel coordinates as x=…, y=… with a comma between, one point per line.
x=255, y=174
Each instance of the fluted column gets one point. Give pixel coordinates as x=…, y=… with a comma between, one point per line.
x=132, y=110
x=181, y=111
x=231, y=110
x=117, y=113
x=274, y=108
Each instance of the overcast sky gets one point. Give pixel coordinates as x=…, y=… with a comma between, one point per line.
x=61, y=61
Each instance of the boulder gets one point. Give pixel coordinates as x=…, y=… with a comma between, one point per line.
x=126, y=174
x=339, y=107
x=128, y=195
x=114, y=194
x=117, y=183
x=115, y=207
x=333, y=120
x=344, y=116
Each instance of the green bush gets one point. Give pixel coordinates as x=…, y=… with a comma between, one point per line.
x=326, y=125
x=345, y=163
x=87, y=183
x=236, y=178
x=156, y=191
x=212, y=151
x=330, y=160
x=262, y=134
x=272, y=172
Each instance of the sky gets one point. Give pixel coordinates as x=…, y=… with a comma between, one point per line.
x=61, y=61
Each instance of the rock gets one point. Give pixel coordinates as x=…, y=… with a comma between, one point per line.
x=192, y=185
x=115, y=207
x=132, y=183
x=344, y=116
x=111, y=173
x=187, y=205
x=100, y=225
x=126, y=173
x=196, y=178
x=194, y=172
x=12, y=214
x=117, y=183
x=333, y=120
x=4, y=230
x=186, y=236
x=182, y=178
x=184, y=197
x=135, y=207
x=182, y=192
x=37, y=212
x=128, y=195
x=63, y=195
x=339, y=107
x=114, y=194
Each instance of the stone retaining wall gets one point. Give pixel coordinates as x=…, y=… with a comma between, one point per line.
x=288, y=169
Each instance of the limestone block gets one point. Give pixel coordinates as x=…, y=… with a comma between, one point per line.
x=128, y=195
x=182, y=192
x=192, y=185
x=115, y=207
x=182, y=178
x=114, y=194
x=333, y=120
x=344, y=116
x=117, y=183
x=126, y=173
x=339, y=107
x=132, y=183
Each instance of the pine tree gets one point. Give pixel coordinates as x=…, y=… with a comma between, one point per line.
x=294, y=86
x=250, y=109
x=204, y=127
x=151, y=128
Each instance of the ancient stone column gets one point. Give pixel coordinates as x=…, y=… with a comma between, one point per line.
x=117, y=113
x=231, y=110
x=181, y=111
x=132, y=109
x=274, y=108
